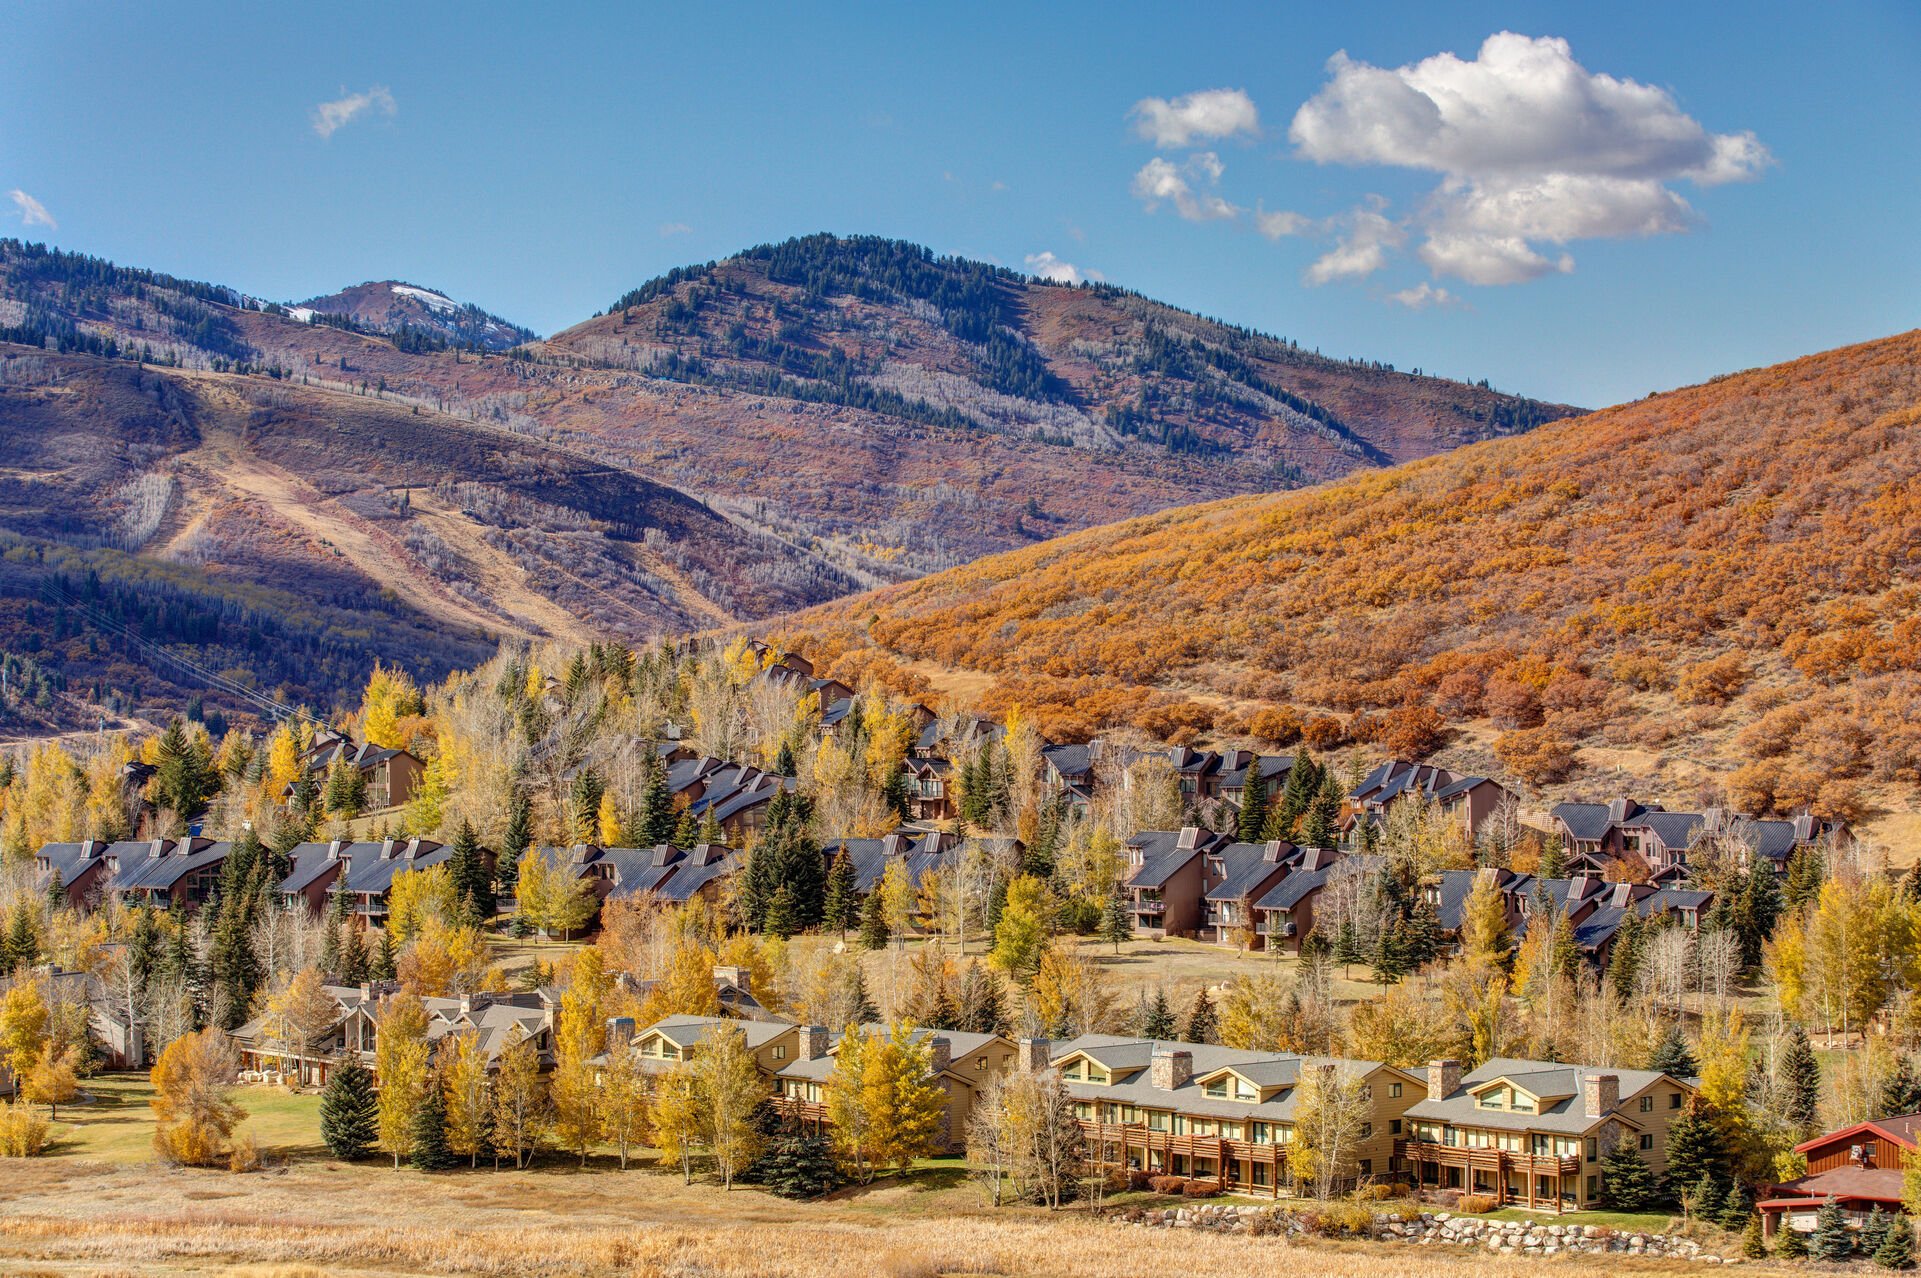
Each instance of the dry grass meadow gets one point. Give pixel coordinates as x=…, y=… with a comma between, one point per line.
x=99, y=1206
x=75, y=1219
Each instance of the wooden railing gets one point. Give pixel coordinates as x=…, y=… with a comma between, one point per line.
x=1499, y=1161
x=1227, y=1154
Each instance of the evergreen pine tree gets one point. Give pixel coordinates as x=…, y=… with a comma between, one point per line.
x=1253, y=814
x=386, y=962
x=514, y=844
x=1203, y=1025
x=467, y=868
x=1760, y=911
x=585, y=797
x=657, y=816
x=1705, y=1200
x=982, y=1009
x=799, y=1164
x=1805, y=875
x=1897, y=1249
x=184, y=779
x=1672, y=1056
x=1754, y=1240
x=1901, y=1093
x=1320, y=826
x=355, y=965
x=1832, y=1239
x=1696, y=1151
x=1303, y=782
x=1792, y=1244
x=1737, y=1209
x=864, y=1011
x=1117, y=925
x=429, y=1151
x=1159, y=1024
x=873, y=922
x=784, y=761
x=686, y=830
x=1554, y=859
x=780, y=919
x=1626, y=1182
x=710, y=832
x=996, y=902
x=1874, y=1231
x=349, y=1111
x=1624, y=961
x=236, y=969
x=1801, y=1076
x=841, y=910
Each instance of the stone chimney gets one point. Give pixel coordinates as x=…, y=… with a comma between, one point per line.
x=1168, y=1069
x=1443, y=1079
x=1031, y=1055
x=620, y=1032
x=738, y=977
x=812, y=1043
x=940, y=1053
x=1601, y=1093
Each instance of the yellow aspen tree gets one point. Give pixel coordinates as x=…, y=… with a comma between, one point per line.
x=846, y=1111
x=192, y=1102
x=400, y=1068
x=613, y=834
x=54, y=1078
x=469, y=1095
x=623, y=1102
x=575, y=1097
x=731, y=1091
x=675, y=1118
x=520, y=1102
x=905, y=1106
x=24, y=1021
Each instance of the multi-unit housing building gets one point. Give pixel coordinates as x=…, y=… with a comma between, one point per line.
x=1216, y=1113
x=1601, y=837
x=1535, y=1133
x=1468, y=801
x=1858, y=1168
x=390, y=775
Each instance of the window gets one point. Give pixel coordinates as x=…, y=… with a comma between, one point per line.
x=1394, y=1126
x=1593, y=1151
x=780, y=1052
x=1072, y=1070
x=1367, y=1167
x=1217, y=1088
x=1367, y=1130
x=1647, y=1140
x=1394, y=1091
x=1593, y=1186
x=1674, y=1100
x=980, y=1063
x=1647, y=1104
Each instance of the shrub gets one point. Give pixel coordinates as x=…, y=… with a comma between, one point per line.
x=23, y=1130
x=1377, y=1192
x=1713, y=682
x=1200, y=1189
x=1137, y=1179
x=1477, y=1204
x=1539, y=756
x=245, y=1156
x=1323, y=732
x=1265, y=1224
x=1167, y=1184
x=1414, y=732
x=1339, y=1220
x=1276, y=725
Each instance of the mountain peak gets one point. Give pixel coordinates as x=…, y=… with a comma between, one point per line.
x=390, y=306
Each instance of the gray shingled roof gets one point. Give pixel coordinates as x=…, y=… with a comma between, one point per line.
x=1246, y=865
x=1129, y=1060
x=1566, y=1115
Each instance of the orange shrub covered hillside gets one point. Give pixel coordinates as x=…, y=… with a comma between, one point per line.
x=1722, y=576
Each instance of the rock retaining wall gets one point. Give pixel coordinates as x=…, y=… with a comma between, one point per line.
x=1439, y=1228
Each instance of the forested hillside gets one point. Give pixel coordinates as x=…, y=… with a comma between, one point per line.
x=417, y=318
x=890, y=411
x=171, y=535
x=1712, y=591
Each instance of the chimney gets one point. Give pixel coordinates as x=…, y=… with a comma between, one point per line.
x=813, y=1043
x=738, y=977
x=335, y=848
x=1274, y=852
x=1190, y=838
x=620, y=1032
x=387, y=849
x=1443, y=1079
x=1601, y=1093
x=91, y=848
x=1168, y=1069
x=1617, y=811
x=940, y=1054
x=1804, y=828
x=1030, y=1056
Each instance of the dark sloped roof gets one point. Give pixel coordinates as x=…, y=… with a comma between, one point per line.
x=1247, y=865
x=372, y=874
x=1585, y=821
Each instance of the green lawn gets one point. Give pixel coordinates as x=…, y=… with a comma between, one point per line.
x=1643, y=1221
x=116, y=1125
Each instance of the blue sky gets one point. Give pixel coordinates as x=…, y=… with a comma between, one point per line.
x=1670, y=193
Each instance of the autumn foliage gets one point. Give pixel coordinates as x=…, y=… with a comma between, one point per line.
x=1731, y=562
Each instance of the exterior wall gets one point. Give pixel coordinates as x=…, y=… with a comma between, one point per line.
x=1184, y=911
x=391, y=782
x=314, y=896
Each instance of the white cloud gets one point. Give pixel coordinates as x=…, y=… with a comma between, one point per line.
x=1422, y=296
x=1049, y=267
x=1366, y=238
x=1187, y=186
x=329, y=117
x=1211, y=113
x=32, y=211
x=1280, y=224
x=675, y=228
x=1533, y=148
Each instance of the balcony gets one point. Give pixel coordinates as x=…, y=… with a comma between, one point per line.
x=1158, y=1148
x=1498, y=1164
